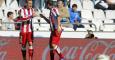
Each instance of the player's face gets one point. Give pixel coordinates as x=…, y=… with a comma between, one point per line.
x=29, y=4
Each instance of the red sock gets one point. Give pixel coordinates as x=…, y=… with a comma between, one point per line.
x=30, y=54
x=58, y=51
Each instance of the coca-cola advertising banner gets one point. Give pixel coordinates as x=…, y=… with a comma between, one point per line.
x=73, y=49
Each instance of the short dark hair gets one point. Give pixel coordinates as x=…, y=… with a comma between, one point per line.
x=49, y=3
x=9, y=13
x=74, y=5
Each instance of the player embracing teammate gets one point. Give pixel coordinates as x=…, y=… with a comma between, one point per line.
x=26, y=32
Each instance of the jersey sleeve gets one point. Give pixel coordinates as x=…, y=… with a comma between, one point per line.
x=55, y=12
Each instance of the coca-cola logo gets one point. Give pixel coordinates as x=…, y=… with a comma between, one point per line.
x=88, y=52
x=74, y=49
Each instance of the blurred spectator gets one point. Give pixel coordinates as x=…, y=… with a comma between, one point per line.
x=111, y=1
x=111, y=4
x=8, y=23
x=90, y=35
x=74, y=17
x=64, y=13
x=101, y=4
x=1, y=1
x=65, y=2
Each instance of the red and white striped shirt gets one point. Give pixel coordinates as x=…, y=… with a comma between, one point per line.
x=26, y=16
x=54, y=14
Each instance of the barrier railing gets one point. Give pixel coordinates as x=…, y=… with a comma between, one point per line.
x=67, y=24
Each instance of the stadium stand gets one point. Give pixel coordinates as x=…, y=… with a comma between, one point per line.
x=88, y=13
x=88, y=5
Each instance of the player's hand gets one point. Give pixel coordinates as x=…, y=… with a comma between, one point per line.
x=59, y=29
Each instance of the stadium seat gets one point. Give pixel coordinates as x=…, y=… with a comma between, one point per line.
x=109, y=28
x=110, y=14
x=42, y=20
x=46, y=12
x=98, y=23
x=14, y=5
x=86, y=14
x=98, y=14
x=44, y=29
x=87, y=27
x=108, y=25
x=67, y=29
x=88, y=5
x=35, y=23
x=81, y=29
x=45, y=25
x=84, y=21
x=108, y=21
x=1, y=14
x=36, y=27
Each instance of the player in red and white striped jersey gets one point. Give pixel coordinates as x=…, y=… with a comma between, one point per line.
x=26, y=33
x=56, y=31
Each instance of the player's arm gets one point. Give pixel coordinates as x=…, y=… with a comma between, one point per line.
x=59, y=24
x=59, y=19
x=34, y=13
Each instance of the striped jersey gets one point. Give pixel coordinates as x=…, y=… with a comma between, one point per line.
x=54, y=13
x=26, y=15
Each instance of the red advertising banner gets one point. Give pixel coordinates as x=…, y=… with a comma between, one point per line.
x=73, y=49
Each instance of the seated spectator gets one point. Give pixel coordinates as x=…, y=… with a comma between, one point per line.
x=63, y=11
x=90, y=35
x=8, y=23
x=74, y=17
x=101, y=4
x=65, y=2
x=111, y=4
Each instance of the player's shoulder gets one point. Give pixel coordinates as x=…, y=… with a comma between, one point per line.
x=54, y=8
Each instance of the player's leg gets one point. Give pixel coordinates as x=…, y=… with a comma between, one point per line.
x=55, y=42
x=58, y=51
x=24, y=46
x=24, y=52
x=51, y=48
x=30, y=51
